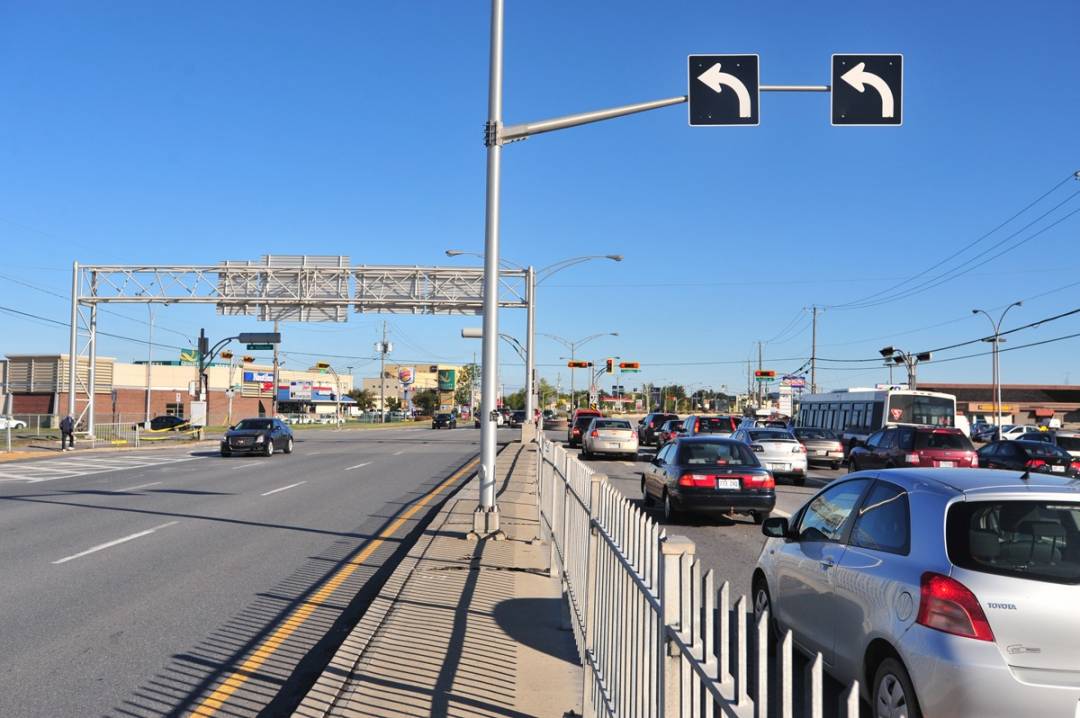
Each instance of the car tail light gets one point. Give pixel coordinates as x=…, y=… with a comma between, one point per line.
x=697, y=424
x=697, y=481
x=757, y=448
x=1075, y=465
x=577, y=430
x=798, y=448
x=1034, y=464
x=594, y=434
x=912, y=458
x=758, y=481
x=652, y=424
x=949, y=606
x=974, y=461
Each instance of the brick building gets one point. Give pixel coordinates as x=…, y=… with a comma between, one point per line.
x=1020, y=403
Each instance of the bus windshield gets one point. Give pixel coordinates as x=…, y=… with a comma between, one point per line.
x=914, y=409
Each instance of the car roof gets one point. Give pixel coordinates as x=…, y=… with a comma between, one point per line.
x=981, y=481
x=707, y=439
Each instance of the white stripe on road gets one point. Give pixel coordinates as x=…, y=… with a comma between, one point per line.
x=244, y=466
x=110, y=544
x=284, y=488
x=140, y=486
x=399, y=453
x=358, y=466
x=781, y=512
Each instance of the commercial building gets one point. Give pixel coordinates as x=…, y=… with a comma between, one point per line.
x=38, y=385
x=424, y=376
x=1020, y=403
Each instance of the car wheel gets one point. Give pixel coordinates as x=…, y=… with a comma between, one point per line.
x=799, y=479
x=226, y=453
x=852, y=467
x=760, y=516
x=647, y=498
x=288, y=446
x=835, y=466
x=894, y=696
x=671, y=514
x=763, y=603
x=269, y=450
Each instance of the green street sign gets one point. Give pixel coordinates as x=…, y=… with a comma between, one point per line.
x=630, y=371
x=260, y=347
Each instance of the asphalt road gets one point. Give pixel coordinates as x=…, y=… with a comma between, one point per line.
x=137, y=587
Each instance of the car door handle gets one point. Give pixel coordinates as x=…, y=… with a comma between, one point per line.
x=827, y=563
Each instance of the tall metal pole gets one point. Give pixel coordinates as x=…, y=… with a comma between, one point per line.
x=382, y=376
x=486, y=517
x=813, y=351
x=573, y=371
x=760, y=384
x=149, y=358
x=91, y=372
x=73, y=346
x=530, y=342
x=277, y=379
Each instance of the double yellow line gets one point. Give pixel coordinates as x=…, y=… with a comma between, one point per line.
x=210, y=705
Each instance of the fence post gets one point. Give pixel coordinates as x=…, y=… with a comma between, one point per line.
x=588, y=693
x=672, y=549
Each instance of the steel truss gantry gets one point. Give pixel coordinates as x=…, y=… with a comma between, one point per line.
x=276, y=287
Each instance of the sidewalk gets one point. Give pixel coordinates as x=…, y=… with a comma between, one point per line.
x=462, y=628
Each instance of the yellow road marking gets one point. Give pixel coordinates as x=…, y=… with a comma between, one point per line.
x=300, y=614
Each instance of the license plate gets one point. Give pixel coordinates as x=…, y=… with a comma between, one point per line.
x=728, y=484
x=946, y=464
x=779, y=467
x=821, y=452
x=1058, y=469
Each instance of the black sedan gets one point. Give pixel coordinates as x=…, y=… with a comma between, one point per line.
x=257, y=436
x=169, y=423
x=1025, y=455
x=444, y=421
x=707, y=474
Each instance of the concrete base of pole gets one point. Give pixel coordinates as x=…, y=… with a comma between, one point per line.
x=486, y=525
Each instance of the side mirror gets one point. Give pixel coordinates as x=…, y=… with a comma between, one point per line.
x=776, y=527
x=232, y=427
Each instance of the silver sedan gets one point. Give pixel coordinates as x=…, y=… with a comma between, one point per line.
x=944, y=592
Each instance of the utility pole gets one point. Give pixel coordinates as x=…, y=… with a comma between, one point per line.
x=760, y=366
x=277, y=375
x=382, y=375
x=472, y=386
x=149, y=362
x=813, y=350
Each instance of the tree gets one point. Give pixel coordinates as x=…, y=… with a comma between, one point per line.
x=426, y=400
x=393, y=403
x=465, y=377
x=515, y=400
x=364, y=398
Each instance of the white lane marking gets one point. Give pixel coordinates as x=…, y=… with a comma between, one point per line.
x=399, y=453
x=71, y=468
x=244, y=466
x=284, y=488
x=358, y=466
x=627, y=463
x=140, y=486
x=781, y=512
x=110, y=544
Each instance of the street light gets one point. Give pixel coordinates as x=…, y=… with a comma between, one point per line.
x=996, y=340
x=533, y=278
x=573, y=347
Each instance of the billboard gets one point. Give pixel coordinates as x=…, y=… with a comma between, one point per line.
x=447, y=379
x=259, y=376
x=406, y=375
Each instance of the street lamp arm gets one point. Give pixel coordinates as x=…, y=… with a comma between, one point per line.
x=545, y=273
x=515, y=344
x=565, y=342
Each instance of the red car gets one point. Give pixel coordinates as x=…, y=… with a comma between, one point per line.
x=906, y=445
x=578, y=421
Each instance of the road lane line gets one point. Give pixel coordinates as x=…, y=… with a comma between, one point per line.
x=244, y=466
x=399, y=453
x=140, y=486
x=358, y=466
x=781, y=512
x=110, y=544
x=300, y=614
x=283, y=488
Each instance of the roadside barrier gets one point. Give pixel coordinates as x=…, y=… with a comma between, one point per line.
x=655, y=636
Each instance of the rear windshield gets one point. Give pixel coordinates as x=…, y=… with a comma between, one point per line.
x=942, y=440
x=612, y=424
x=584, y=421
x=816, y=434
x=723, y=453
x=1043, y=451
x=714, y=425
x=673, y=425
x=255, y=424
x=1036, y=540
x=1069, y=443
x=771, y=436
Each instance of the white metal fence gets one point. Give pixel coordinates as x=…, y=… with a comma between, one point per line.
x=655, y=635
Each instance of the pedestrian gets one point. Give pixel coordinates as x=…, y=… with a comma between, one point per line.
x=67, y=433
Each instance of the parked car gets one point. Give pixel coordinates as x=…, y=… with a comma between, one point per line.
x=444, y=421
x=257, y=436
x=943, y=592
x=612, y=437
x=708, y=475
x=723, y=425
x=983, y=432
x=169, y=423
x=778, y=450
x=648, y=429
x=1024, y=455
x=1013, y=431
x=1043, y=436
x=574, y=428
x=7, y=422
x=928, y=446
x=1068, y=440
x=823, y=446
x=517, y=418
x=668, y=432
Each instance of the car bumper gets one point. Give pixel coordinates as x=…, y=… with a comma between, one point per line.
x=613, y=447
x=956, y=676
x=828, y=457
x=785, y=467
x=708, y=501
x=244, y=449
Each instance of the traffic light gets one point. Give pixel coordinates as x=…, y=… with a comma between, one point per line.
x=609, y=366
x=579, y=364
x=630, y=365
x=247, y=358
x=226, y=354
x=764, y=374
x=322, y=365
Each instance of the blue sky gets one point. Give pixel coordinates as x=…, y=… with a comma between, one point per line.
x=194, y=132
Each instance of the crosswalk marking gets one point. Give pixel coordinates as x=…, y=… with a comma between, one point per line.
x=66, y=468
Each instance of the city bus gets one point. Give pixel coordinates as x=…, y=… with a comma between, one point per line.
x=854, y=414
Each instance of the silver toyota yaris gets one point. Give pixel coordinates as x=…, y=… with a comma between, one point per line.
x=945, y=592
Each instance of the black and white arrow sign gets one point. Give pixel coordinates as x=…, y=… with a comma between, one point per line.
x=867, y=89
x=723, y=89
